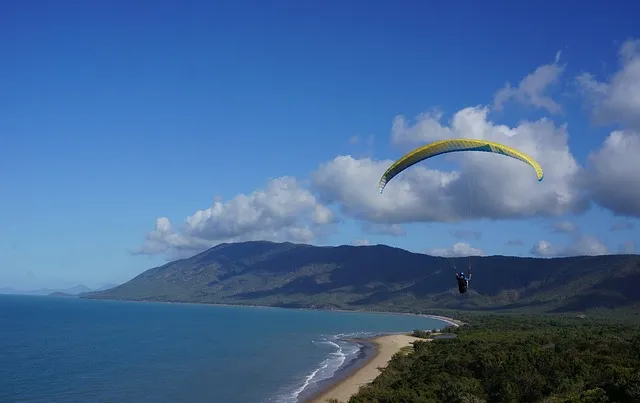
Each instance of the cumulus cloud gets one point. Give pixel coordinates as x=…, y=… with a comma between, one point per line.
x=483, y=185
x=486, y=186
x=616, y=100
x=383, y=229
x=532, y=89
x=564, y=227
x=613, y=169
x=621, y=226
x=360, y=242
x=614, y=173
x=543, y=248
x=344, y=181
x=460, y=249
x=406, y=133
x=282, y=211
x=466, y=234
x=164, y=239
x=581, y=246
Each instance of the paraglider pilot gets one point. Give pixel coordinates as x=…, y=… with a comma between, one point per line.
x=463, y=281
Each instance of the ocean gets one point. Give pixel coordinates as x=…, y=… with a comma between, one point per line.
x=60, y=349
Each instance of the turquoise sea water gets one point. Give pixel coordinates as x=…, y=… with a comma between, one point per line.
x=56, y=349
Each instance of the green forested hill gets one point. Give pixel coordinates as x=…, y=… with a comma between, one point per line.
x=384, y=278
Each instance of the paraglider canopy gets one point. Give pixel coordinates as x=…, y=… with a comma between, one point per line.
x=455, y=145
x=449, y=146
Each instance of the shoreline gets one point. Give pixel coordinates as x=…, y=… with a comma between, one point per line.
x=451, y=321
x=367, y=351
x=376, y=353
x=347, y=383
x=446, y=319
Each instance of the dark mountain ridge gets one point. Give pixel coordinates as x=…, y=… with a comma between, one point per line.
x=380, y=277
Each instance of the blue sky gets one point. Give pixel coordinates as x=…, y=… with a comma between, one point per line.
x=116, y=114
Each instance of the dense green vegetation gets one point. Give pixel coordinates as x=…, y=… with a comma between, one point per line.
x=385, y=279
x=499, y=358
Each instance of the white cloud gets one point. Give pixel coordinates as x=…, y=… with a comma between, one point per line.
x=581, y=246
x=360, y=242
x=484, y=185
x=564, y=226
x=613, y=178
x=460, y=249
x=487, y=185
x=543, y=248
x=404, y=132
x=531, y=89
x=618, y=99
x=164, y=239
x=614, y=173
x=352, y=183
x=282, y=211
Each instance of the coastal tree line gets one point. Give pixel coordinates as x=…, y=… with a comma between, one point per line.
x=516, y=359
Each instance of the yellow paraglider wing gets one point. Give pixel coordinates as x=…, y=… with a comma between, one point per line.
x=454, y=145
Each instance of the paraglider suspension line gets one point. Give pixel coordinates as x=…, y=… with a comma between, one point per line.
x=469, y=199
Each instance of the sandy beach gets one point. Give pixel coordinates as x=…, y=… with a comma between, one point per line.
x=386, y=347
x=451, y=321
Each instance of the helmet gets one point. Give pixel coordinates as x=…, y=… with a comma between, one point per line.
x=461, y=274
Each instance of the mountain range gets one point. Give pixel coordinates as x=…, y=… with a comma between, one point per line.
x=380, y=277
